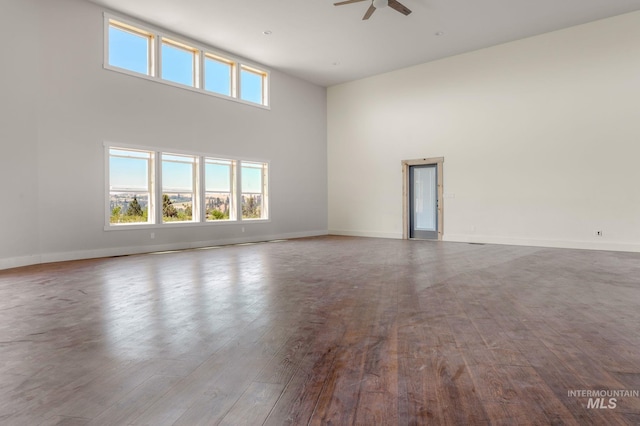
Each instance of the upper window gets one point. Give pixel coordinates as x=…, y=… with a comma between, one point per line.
x=130, y=48
x=252, y=85
x=165, y=58
x=179, y=63
x=219, y=75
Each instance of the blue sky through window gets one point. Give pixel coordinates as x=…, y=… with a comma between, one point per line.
x=251, y=86
x=252, y=179
x=129, y=170
x=177, y=176
x=129, y=174
x=217, y=177
x=131, y=49
x=177, y=64
x=217, y=76
x=128, y=50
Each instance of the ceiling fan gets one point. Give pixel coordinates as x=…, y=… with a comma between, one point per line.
x=377, y=4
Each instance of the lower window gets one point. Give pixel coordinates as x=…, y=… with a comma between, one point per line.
x=219, y=183
x=154, y=187
x=254, y=190
x=130, y=186
x=178, y=188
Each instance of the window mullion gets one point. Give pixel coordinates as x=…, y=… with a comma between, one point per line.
x=234, y=189
x=152, y=55
x=234, y=80
x=237, y=80
x=158, y=189
x=157, y=48
x=265, y=208
x=239, y=191
x=151, y=188
x=107, y=184
x=200, y=197
x=197, y=69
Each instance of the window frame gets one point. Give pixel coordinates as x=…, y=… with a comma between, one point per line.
x=233, y=74
x=233, y=202
x=195, y=61
x=172, y=157
x=135, y=29
x=264, y=194
x=264, y=76
x=151, y=186
x=199, y=218
x=201, y=53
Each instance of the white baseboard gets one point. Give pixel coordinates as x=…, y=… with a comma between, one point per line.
x=569, y=244
x=369, y=234
x=16, y=262
x=489, y=239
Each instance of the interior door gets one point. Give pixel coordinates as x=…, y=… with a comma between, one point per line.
x=423, y=201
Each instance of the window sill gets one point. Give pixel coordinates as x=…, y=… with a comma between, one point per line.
x=135, y=226
x=184, y=87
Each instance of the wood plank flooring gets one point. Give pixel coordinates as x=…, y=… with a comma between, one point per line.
x=328, y=330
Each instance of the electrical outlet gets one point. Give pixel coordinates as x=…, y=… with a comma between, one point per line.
x=598, y=233
x=153, y=235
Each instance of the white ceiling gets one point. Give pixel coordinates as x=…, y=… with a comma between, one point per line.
x=328, y=45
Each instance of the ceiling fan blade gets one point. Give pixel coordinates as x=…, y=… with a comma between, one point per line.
x=395, y=4
x=347, y=2
x=369, y=12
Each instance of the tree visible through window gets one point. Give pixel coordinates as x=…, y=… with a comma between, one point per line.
x=219, y=201
x=178, y=187
x=155, y=187
x=129, y=185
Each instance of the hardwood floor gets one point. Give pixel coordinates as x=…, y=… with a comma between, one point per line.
x=329, y=330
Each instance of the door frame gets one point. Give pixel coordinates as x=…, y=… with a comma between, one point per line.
x=438, y=162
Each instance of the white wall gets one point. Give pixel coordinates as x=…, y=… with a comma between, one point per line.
x=18, y=130
x=62, y=105
x=541, y=140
